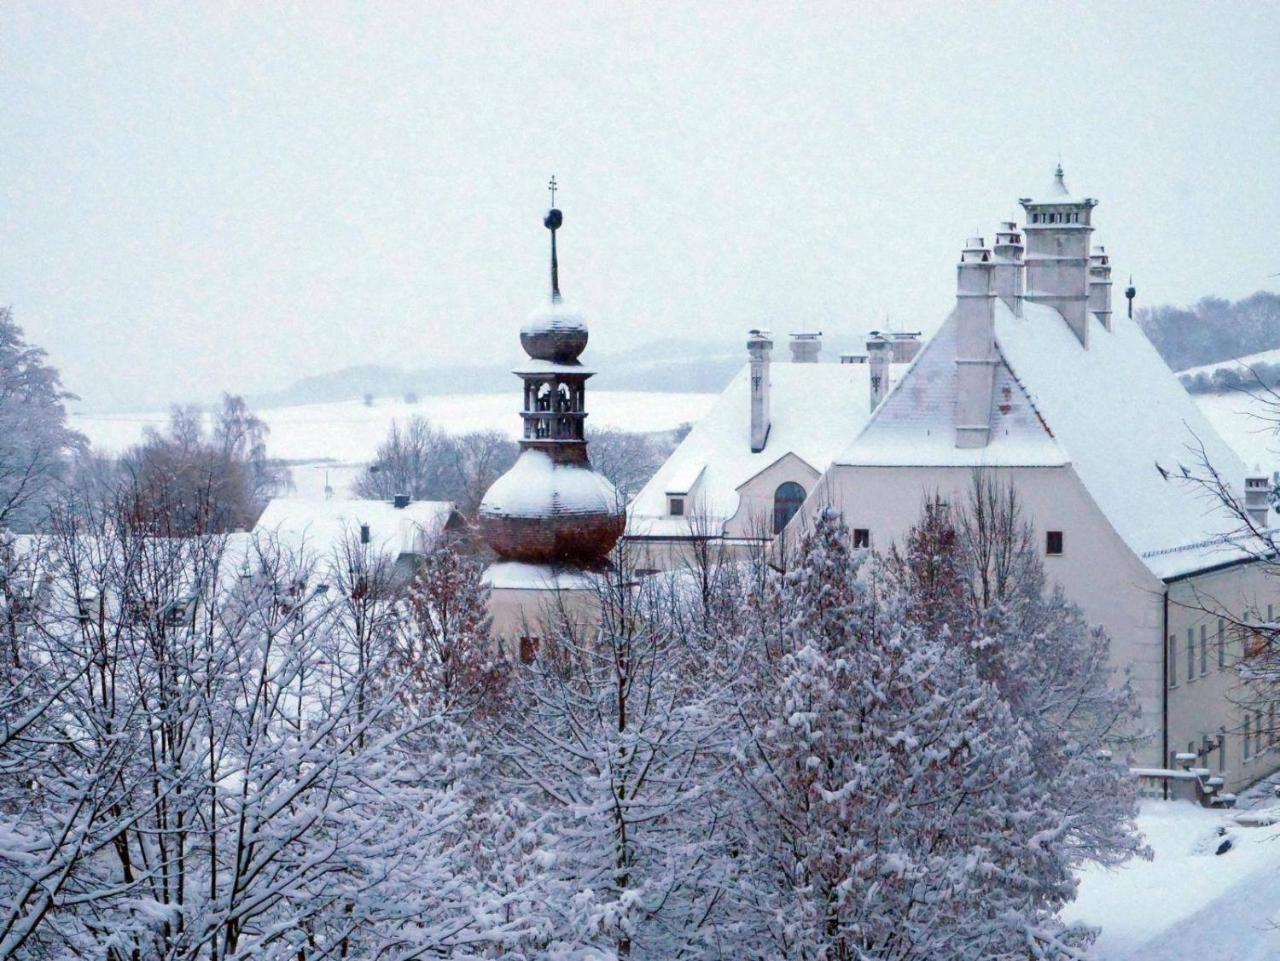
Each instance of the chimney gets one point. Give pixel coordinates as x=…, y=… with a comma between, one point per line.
x=805, y=348
x=904, y=346
x=878, y=353
x=1057, y=226
x=759, y=346
x=1010, y=271
x=1257, y=498
x=975, y=344
x=1100, y=285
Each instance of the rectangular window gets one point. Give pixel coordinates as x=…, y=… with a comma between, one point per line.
x=1245, y=755
x=1171, y=656
x=1222, y=750
x=1259, y=743
x=1053, y=543
x=1271, y=725
x=1204, y=649
x=1222, y=644
x=677, y=506
x=861, y=537
x=1191, y=654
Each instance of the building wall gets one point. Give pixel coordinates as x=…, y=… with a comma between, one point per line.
x=1205, y=705
x=754, y=517
x=523, y=612
x=1096, y=569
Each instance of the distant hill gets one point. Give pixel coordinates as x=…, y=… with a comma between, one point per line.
x=670, y=365
x=1213, y=330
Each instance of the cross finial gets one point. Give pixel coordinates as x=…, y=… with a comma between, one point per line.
x=551, y=185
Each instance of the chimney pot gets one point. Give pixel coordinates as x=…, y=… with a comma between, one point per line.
x=806, y=347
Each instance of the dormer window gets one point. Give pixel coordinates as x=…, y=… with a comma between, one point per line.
x=675, y=506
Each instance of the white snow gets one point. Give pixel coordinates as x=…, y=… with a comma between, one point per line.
x=554, y=317
x=1118, y=411
x=916, y=424
x=1237, y=364
x=815, y=410
x=1188, y=902
x=536, y=486
x=519, y=576
x=318, y=527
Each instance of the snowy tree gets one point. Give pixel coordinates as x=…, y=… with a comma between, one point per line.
x=36, y=445
x=206, y=758
x=613, y=744
x=972, y=576
x=893, y=811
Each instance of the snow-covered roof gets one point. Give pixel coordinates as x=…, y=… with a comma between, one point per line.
x=814, y=410
x=1114, y=412
x=520, y=576
x=916, y=423
x=1056, y=193
x=318, y=526
x=1122, y=416
x=538, y=487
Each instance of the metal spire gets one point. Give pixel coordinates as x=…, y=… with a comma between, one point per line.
x=552, y=222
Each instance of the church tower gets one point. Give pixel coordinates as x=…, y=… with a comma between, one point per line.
x=551, y=509
x=1058, y=226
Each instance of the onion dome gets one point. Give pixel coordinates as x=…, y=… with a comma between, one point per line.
x=555, y=332
x=545, y=512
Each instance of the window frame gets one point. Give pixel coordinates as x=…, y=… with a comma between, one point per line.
x=675, y=505
x=1049, y=539
x=862, y=538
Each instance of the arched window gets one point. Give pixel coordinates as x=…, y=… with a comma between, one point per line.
x=786, y=501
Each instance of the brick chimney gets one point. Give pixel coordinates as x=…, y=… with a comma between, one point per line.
x=1057, y=226
x=759, y=347
x=879, y=352
x=975, y=344
x=806, y=347
x=1100, y=285
x=1010, y=271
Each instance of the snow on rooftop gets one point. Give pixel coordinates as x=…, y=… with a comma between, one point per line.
x=815, y=409
x=1114, y=412
x=519, y=576
x=1121, y=416
x=537, y=487
x=318, y=527
x=916, y=423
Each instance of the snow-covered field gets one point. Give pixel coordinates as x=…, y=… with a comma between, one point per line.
x=1188, y=902
x=1248, y=423
x=1236, y=363
x=335, y=441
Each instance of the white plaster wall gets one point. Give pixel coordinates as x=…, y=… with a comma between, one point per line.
x=1204, y=704
x=1096, y=569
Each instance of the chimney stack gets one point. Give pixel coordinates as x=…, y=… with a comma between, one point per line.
x=904, y=346
x=1010, y=271
x=1257, y=498
x=975, y=344
x=1100, y=285
x=759, y=346
x=1057, y=226
x=878, y=355
x=805, y=348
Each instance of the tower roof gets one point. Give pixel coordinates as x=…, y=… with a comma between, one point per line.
x=1057, y=194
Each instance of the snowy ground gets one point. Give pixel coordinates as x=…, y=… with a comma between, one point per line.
x=1248, y=423
x=1188, y=902
x=337, y=440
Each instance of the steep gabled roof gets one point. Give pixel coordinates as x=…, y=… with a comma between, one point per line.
x=1114, y=412
x=815, y=409
x=916, y=423
x=1130, y=430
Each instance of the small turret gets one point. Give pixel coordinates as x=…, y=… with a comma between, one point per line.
x=1100, y=286
x=760, y=350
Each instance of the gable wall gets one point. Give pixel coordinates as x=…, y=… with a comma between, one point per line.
x=1096, y=570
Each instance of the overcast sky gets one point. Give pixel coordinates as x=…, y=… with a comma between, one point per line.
x=230, y=196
